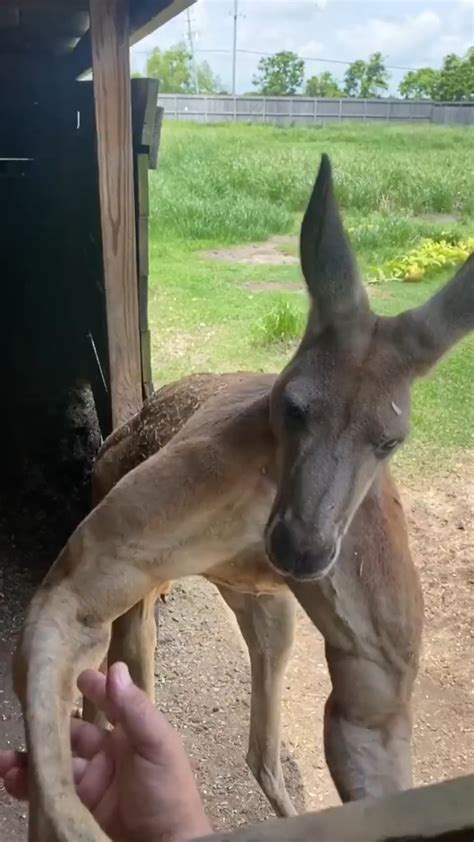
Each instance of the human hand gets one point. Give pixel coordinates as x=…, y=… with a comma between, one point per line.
x=135, y=779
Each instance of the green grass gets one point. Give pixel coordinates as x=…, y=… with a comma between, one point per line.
x=281, y=323
x=236, y=183
x=224, y=185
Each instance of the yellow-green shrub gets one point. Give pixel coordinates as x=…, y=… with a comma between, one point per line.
x=428, y=256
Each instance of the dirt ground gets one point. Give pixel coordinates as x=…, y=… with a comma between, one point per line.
x=203, y=677
x=272, y=253
x=255, y=254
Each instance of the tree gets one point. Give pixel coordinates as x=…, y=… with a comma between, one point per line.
x=172, y=67
x=323, y=85
x=376, y=77
x=353, y=77
x=279, y=75
x=456, y=78
x=366, y=78
x=419, y=84
x=454, y=81
x=208, y=81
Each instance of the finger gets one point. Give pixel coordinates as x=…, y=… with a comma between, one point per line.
x=92, y=685
x=16, y=779
x=94, y=779
x=16, y=783
x=147, y=729
x=10, y=760
x=87, y=739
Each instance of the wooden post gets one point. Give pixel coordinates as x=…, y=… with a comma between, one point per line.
x=111, y=72
x=142, y=164
x=146, y=125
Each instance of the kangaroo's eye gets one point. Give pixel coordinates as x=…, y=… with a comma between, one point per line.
x=384, y=448
x=295, y=413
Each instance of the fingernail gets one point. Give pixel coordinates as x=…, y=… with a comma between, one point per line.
x=122, y=676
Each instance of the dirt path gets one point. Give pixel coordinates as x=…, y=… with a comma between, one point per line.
x=203, y=677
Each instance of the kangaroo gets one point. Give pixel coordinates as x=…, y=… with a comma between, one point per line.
x=275, y=488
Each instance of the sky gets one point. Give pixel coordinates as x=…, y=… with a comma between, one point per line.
x=409, y=34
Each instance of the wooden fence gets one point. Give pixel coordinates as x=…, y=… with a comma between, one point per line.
x=302, y=111
x=441, y=812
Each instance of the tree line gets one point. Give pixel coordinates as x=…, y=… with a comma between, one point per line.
x=179, y=75
x=283, y=74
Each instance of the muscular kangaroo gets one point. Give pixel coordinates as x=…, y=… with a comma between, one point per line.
x=265, y=484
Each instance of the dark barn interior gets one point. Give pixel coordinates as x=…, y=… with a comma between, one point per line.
x=75, y=359
x=54, y=315
x=59, y=314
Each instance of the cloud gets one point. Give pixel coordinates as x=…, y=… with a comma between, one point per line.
x=312, y=49
x=391, y=37
x=409, y=33
x=458, y=43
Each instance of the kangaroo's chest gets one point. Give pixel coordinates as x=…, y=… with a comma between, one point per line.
x=244, y=566
x=230, y=549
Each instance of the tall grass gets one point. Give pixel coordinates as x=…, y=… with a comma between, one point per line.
x=238, y=183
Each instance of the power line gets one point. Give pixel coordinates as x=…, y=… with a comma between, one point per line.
x=307, y=58
x=268, y=55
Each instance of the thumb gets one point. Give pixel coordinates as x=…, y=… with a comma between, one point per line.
x=146, y=729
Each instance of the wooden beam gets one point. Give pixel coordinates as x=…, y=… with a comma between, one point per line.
x=144, y=108
x=438, y=813
x=9, y=17
x=144, y=104
x=111, y=70
x=61, y=6
x=142, y=205
x=149, y=15
x=153, y=153
x=145, y=17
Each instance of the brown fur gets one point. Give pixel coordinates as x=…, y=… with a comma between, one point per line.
x=273, y=489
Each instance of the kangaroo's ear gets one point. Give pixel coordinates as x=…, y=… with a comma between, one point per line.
x=327, y=261
x=427, y=332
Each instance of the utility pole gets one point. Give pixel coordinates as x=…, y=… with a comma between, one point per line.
x=193, y=57
x=234, y=50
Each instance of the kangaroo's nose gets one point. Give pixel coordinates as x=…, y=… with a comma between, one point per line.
x=296, y=553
